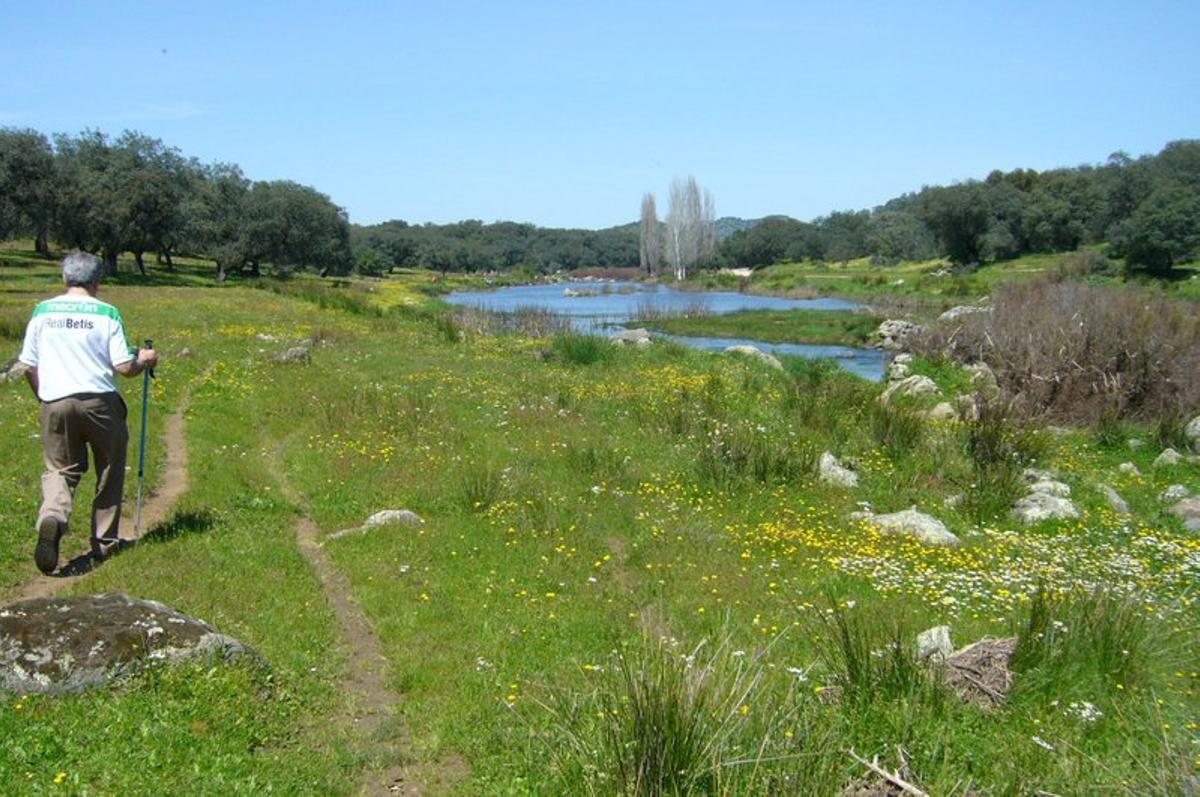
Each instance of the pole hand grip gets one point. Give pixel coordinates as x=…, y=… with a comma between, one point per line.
x=150, y=345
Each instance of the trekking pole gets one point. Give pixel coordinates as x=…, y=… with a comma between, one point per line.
x=137, y=517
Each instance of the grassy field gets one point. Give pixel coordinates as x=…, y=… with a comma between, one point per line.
x=928, y=287
x=846, y=328
x=615, y=541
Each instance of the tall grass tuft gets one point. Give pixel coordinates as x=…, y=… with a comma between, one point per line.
x=577, y=349
x=898, y=429
x=872, y=657
x=665, y=720
x=998, y=447
x=1082, y=642
x=730, y=454
x=482, y=485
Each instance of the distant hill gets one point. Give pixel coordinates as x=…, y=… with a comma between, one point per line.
x=728, y=225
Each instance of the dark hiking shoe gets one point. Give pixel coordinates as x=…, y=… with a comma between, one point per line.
x=45, y=555
x=100, y=554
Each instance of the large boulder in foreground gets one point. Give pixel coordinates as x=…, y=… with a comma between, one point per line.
x=57, y=645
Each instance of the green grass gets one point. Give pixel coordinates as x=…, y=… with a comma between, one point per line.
x=835, y=327
x=584, y=508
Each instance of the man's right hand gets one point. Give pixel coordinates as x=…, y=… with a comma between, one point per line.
x=147, y=358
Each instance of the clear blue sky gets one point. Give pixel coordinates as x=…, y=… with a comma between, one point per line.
x=563, y=114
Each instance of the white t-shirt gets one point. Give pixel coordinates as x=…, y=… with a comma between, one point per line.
x=75, y=342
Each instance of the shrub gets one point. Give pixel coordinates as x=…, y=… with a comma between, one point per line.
x=1075, y=352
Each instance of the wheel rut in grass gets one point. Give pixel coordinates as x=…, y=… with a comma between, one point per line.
x=373, y=708
x=651, y=620
x=156, y=508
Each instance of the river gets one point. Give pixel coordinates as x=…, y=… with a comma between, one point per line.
x=599, y=307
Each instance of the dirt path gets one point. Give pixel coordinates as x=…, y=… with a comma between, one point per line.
x=156, y=508
x=373, y=708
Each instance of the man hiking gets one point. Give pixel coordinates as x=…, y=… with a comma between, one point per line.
x=73, y=346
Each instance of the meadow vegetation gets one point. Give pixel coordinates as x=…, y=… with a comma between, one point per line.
x=618, y=543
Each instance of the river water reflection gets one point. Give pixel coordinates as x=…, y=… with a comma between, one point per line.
x=599, y=307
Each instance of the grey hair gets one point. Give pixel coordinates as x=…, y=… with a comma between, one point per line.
x=80, y=269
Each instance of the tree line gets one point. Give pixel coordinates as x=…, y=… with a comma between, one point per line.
x=135, y=194
x=472, y=245
x=1147, y=210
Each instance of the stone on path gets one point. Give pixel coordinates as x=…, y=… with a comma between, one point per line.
x=934, y=644
x=912, y=387
x=1115, y=502
x=758, y=354
x=1036, y=507
x=833, y=472
x=1188, y=510
x=1168, y=458
x=57, y=645
x=912, y=523
x=634, y=337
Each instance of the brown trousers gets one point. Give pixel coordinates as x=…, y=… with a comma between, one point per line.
x=70, y=426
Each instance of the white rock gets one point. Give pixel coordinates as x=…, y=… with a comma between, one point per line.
x=934, y=644
x=894, y=333
x=943, y=412
x=403, y=517
x=1115, y=502
x=1188, y=510
x=1176, y=492
x=1051, y=487
x=1135, y=442
x=911, y=386
x=1130, y=468
x=1192, y=432
x=898, y=369
x=953, y=501
x=983, y=378
x=637, y=337
x=1035, y=475
x=833, y=472
x=1167, y=458
x=1036, y=507
x=924, y=527
x=387, y=517
x=955, y=313
x=757, y=353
